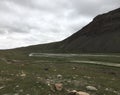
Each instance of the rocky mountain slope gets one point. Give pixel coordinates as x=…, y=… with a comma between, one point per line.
x=101, y=35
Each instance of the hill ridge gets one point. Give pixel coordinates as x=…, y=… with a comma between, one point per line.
x=106, y=25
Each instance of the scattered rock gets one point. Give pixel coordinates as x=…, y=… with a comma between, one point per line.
x=23, y=74
x=59, y=86
x=81, y=93
x=17, y=86
x=107, y=89
x=69, y=81
x=16, y=94
x=59, y=76
x=74, y=92
x=91, y=88
x=27, y=94
x=74, y=67
x=87, y=77
x=2, y=87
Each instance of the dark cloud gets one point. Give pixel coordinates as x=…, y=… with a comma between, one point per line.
x=26, y=22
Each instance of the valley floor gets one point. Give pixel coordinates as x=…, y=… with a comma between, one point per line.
x=37, y=75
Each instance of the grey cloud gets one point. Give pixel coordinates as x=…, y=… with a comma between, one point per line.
x=94, y=7
x=44, y=5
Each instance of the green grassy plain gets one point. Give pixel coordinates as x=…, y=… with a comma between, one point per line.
x=24, y=75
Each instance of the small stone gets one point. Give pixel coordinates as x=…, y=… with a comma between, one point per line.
x=59, y=76
x=27, y=94
x=74, y=92
x=48, y=84
x=59, y=86
x=81, y=93
x=17, y=86
x=23, y=74
x=74, y=68
x=16, y=94
x=91, y=88
x=1, y=87
x=106, y=89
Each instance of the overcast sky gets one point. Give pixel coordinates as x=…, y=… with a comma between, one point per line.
x=29, y=22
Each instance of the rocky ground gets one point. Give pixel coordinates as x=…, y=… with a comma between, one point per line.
x=56, y=76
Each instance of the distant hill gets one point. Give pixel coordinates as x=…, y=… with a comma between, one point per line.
x=102, y=35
